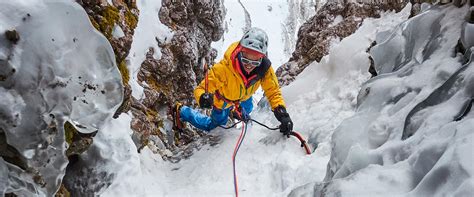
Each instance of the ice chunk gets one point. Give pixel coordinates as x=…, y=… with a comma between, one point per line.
x=61, y=69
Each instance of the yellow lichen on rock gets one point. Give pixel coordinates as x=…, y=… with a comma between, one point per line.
x=69, y=131
x=131, y=19
x=151, y=114
x=62, y=192
x=156, y=86
x=94, y=23
x=124, y=71
x=110, y=17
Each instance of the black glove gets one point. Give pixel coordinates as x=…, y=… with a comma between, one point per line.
x=206, y=100
x=286, y=126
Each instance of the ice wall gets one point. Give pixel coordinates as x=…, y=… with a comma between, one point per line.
x=412, y=132
x=54, y=67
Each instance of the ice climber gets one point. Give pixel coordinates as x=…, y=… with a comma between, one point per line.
x=231, y=84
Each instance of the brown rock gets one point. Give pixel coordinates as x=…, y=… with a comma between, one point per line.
x=12, y=36
x=173, y=77
x=315, y=34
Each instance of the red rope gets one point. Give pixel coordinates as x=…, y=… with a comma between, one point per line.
x=241, y=139
x=236, y=149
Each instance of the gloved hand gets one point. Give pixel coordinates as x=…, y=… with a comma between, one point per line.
x=206, y=100
x=242, y=116
x=286, y=126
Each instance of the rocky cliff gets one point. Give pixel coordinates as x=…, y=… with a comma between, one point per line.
x=172, y=78
x=165, y=80
x=334, y=20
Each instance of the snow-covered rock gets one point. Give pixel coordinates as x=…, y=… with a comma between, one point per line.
x=412, y=131
x=117, y=21
x=55, y=68
x=335, y=20
x=467, y=34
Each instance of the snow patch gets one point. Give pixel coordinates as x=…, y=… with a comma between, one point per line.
x=117, y=32
x=147, y=33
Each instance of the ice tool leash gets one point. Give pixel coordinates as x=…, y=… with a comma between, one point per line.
x=303, y=142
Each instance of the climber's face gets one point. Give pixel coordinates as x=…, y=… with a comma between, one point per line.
x=250, y=61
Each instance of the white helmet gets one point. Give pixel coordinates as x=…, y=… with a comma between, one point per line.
x=255, y=39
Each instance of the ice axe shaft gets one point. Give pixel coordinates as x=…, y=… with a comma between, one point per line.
x=304, y=144
x=206, y=76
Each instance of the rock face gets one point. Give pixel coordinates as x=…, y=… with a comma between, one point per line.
x=173, y=77
x=334, y=20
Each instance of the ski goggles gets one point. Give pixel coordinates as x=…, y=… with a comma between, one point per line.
x=254, y=63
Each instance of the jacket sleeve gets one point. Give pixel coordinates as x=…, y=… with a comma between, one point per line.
x=272, y=89
x=216, y=79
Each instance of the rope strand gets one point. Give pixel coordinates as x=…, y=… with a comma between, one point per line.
x=231, y=126
x=236, y=149
x=304, y=144
x=261, y=124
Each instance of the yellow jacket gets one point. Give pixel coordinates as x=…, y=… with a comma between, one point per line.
x=226, y=79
